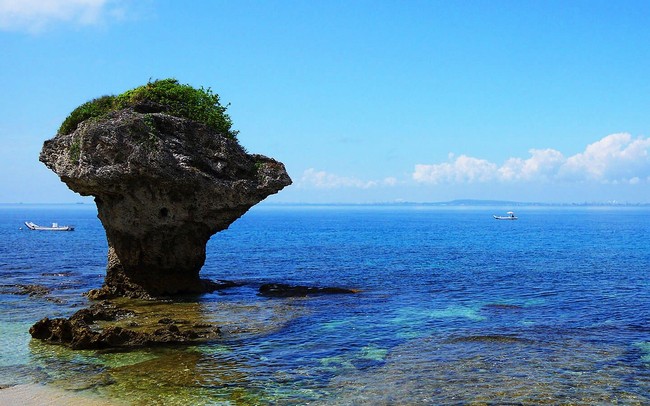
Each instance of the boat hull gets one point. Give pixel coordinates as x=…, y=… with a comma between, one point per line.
x=36, y=227
x=505, y=217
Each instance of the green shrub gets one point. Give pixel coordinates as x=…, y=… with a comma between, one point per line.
x=94, y=108
x=166, y=95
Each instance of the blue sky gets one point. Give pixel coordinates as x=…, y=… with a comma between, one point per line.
x=364, y=101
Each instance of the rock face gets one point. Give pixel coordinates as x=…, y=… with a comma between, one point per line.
x=163, y=185
x=80, y=331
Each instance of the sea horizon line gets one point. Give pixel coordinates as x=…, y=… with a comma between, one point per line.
x=449, y=203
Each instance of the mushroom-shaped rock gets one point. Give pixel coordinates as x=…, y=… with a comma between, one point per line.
x=163, y=185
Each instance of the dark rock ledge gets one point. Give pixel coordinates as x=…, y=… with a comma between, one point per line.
x=23, y=289
x=81, y=331
x=284, y=290
x=122, y=287
x=33, y=291
x=107, y=325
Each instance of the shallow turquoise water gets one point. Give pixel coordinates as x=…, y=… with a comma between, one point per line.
x=455, y=308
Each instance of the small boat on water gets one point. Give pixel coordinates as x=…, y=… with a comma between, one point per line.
x=54, y=227
x=510, y=216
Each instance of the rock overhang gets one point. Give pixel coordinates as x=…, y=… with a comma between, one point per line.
x=163, y=185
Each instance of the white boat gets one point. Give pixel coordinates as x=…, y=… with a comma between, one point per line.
x=54, y=227
x=510, y=216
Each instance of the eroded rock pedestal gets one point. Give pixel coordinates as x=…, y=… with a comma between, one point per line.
x=163, y=185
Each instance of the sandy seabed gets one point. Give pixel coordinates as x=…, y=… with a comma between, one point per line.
x=40, y=395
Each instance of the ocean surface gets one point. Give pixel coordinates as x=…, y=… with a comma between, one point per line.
x=454, y=308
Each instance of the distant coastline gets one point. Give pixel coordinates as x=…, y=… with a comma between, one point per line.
x=450, y=203
x=468, y=203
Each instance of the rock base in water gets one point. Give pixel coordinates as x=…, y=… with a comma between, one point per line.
x=124, y=288
x=126, y=323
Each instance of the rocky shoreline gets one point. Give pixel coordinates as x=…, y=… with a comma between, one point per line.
x=80, y=331
x=119, y=325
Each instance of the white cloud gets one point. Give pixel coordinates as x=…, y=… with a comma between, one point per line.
x=617, y=158
x=463, y=169
x=390, y=181
x=542, y=165
x=35, y=15
x=324, y=180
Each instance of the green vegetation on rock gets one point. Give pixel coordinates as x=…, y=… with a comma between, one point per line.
x=75, y=151
x=165, y=96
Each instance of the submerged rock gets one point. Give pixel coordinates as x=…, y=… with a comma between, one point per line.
x=490, y=338
x=163, y=185
x=502, y=306
x=284, y=290
x=22, y=289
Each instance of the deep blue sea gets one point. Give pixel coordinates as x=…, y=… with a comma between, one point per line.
x=454, y=308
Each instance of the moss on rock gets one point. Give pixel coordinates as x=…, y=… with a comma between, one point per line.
x=161, y=96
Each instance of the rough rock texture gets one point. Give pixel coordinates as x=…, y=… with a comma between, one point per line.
x=81, y=332
x=163, y=185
